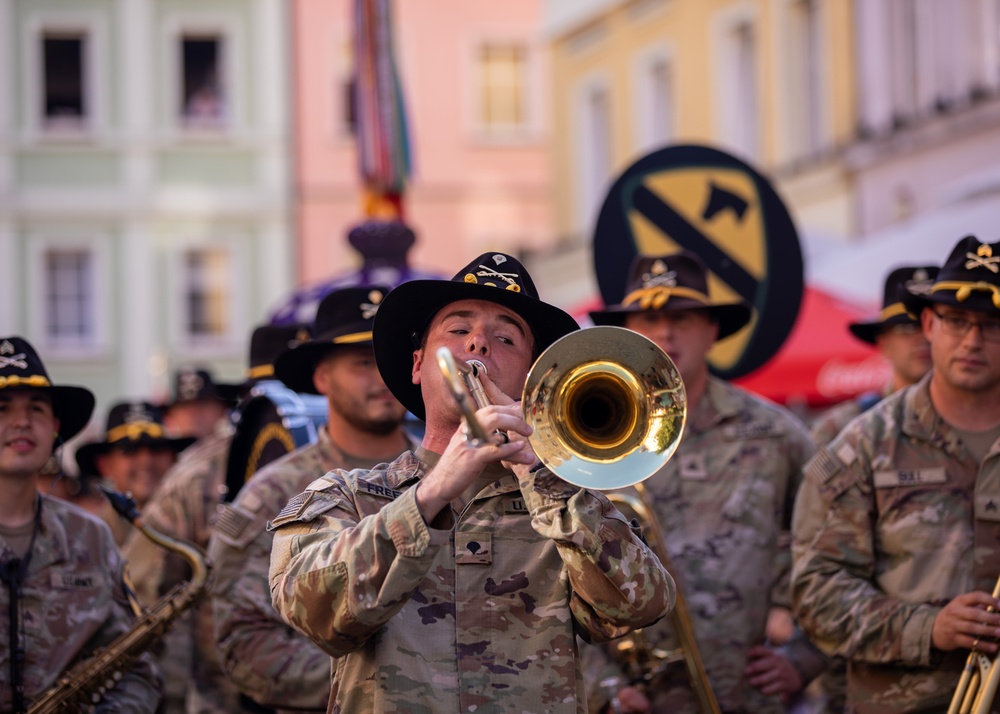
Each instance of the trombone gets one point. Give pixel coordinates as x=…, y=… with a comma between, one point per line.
x=977, y=687
x=606, y=406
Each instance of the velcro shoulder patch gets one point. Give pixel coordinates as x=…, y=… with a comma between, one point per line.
x=304, y=507
x=233, y=526
x=822, y=467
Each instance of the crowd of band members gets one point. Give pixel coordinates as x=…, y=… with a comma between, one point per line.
x=383, y=568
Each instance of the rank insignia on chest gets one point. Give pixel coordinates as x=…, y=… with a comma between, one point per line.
x=693, y=467
x=473, y=548
x=988, y=508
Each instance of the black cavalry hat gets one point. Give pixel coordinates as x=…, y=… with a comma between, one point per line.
x=196, y=384
x=677, y=281
x=898, y=284
x=268, y=342
x=969, y=279
x=409, y=308
x=22, y=368
x=344, y=317
x=130, y=424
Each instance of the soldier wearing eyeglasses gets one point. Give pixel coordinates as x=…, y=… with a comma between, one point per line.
x=897, y=524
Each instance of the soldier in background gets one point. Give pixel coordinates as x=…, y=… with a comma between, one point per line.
x=899, y=339
x=62, y=593
x=133, y=458
x=185, y=508
x=201, y=405
x=271, y=663
x=724, y=502
x=896, y=529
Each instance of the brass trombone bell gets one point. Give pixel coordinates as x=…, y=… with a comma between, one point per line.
x=607, y=407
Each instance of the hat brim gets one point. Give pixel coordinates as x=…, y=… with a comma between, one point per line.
x=295, y=367
x=732, y=317
x=408, y=309
x=73, y=407
x=86, y=455
x=868, y=331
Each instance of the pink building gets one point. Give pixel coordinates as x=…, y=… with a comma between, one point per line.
x=474, y=78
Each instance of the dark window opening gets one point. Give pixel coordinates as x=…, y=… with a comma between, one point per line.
x=201, y=81
x=63, y=72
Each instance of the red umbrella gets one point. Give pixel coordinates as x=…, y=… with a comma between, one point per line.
x=820, y=363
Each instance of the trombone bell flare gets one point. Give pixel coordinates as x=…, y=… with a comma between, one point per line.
x=607, y=407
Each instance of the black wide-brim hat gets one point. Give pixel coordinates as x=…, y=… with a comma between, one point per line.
x=968, y=280
x=130, y=425
x=898, y=284
x=678, y=281
x=343, y=318
x=194, y=384
x=22, y=368
x=407, y=311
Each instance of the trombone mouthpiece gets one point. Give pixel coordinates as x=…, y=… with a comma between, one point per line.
x=476, y=366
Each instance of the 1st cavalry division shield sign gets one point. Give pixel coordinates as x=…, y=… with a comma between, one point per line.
x=707, y=201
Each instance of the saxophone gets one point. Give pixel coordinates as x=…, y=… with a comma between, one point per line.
x=85, y=684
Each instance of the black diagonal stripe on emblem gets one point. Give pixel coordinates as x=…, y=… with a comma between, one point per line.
x=673, y=224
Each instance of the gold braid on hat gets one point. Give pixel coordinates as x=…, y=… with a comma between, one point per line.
x=133, y=431
x=893, y=310
x=653, y=298
x=16, y=381
x=963, y=289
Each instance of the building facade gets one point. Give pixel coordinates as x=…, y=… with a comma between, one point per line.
x=144, y=204
x=476, y=88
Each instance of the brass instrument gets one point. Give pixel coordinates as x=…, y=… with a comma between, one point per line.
x=606, y=406
x=86, y=683
x=644, y=662
x=977, y=687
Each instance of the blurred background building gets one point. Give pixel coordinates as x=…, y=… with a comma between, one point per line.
x=170, y=171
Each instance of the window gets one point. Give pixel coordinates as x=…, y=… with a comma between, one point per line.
x=737, y=86
x=69, y=296
x=594, y=110
x=805, y=77
x=206, y=293
x=64, y=104
x=502, y=88
x=655, y=97
x=202, y=88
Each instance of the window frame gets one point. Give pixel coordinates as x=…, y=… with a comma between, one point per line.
x=91, y=25
x=645, y=139
x=98, y=245
x=230, y=342
x=528, y=130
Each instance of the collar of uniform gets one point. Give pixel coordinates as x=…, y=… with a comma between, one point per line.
x=921, y=420
x=53, y=543
x=501, y=480
x=719, y=403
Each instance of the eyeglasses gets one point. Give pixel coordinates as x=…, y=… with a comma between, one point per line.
x=958, y=326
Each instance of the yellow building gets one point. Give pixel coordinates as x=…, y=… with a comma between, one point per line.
x=770, y=81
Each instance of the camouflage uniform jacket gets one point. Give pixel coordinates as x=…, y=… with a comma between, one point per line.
x=477, y=612
x=271, y=663
x=185, y=507
x=724, y=503
x=894, y=519
x=72, y=602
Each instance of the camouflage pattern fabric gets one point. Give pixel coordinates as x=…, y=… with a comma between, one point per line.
x=477, y=612
x=72, y=603
x=724, y=503
x=271, y=663
x=185, y=507
x=833, y=420
x=894, y=518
